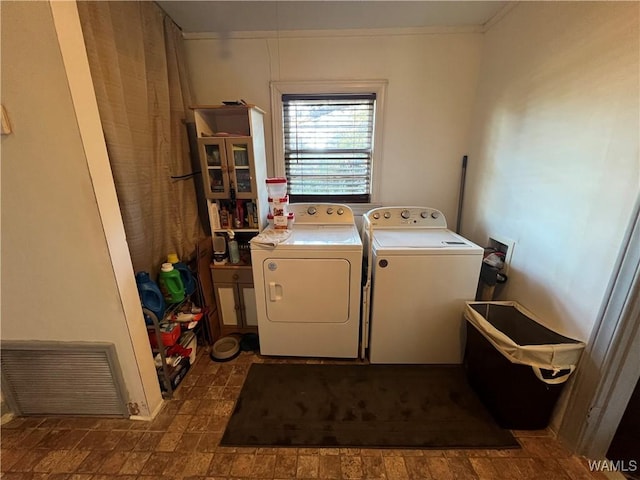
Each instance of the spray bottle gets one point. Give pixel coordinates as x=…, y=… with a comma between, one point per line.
x=234, y=252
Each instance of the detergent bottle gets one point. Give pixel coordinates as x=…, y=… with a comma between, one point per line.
x=188, y=280
x=171, y=284
x=150, y=296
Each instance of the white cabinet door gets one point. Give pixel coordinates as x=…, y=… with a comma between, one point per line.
x=228, y=304
x=307, y=290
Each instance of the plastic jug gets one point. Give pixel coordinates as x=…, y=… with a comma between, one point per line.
x=188, y=280
x=276, y=187
x=171, y=284
x=150, y=296
x=234, y=251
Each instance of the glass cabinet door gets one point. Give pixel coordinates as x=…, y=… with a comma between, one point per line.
x=240, y=154
x=214, y=155
x=214, y=168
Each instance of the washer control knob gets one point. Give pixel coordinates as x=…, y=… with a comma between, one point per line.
x=405, y=214
x=387, y=215
x=435, y=214
x=340, y=211
x=312, y=210
x=376, y=215
x=424, y=214
x=329, y=211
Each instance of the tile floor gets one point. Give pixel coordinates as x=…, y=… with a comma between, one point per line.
x=182, y=443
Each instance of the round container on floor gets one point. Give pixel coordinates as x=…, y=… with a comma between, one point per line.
x=225, y=349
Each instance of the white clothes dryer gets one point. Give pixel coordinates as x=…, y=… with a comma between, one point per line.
x=308, y=286
x=419, y=275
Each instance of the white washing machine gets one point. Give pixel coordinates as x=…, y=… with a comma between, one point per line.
x=419, y=275
x=308, y=286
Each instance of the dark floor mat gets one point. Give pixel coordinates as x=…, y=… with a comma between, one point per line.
x=386, y=406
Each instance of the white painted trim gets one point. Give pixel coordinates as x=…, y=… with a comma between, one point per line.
x=6, y=418
x=498, y=16
x=379, y=87
x=360, y=32
x=71, y=41
x=610, y=366
x=145, y=418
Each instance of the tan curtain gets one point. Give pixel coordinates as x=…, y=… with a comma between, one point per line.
x=136, y=61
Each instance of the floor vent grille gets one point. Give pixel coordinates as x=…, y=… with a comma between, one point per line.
x=60, y=378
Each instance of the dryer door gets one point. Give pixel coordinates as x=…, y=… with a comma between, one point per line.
x=307, y=290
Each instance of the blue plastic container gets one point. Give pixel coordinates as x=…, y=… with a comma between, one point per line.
x=188, y=280
x=150, y=296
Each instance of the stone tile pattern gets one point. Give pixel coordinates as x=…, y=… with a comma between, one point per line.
x=182, y=442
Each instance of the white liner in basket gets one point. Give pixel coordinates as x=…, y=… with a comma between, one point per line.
x=554, y=357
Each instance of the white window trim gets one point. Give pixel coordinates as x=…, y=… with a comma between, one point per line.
x=378, y=87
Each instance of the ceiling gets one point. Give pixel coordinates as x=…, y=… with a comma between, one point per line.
x=243, y=16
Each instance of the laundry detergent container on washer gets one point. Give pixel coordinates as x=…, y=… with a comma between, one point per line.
x=517, y=366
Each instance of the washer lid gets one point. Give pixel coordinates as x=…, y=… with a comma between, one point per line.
x=430, y=239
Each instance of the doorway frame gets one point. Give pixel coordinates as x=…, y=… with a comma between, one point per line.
x=610, y=366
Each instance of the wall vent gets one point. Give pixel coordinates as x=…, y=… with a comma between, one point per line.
x=62, y=378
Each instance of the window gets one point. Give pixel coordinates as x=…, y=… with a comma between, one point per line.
x=328, y=144
x=327, y=140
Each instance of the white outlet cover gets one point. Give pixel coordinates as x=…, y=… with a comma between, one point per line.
x=510, y=244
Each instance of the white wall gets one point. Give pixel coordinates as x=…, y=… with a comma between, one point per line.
x=60, y=257
x=432, y=79
x=554, y=152
x=552, y=137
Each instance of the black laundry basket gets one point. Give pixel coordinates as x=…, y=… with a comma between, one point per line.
x=517, y=366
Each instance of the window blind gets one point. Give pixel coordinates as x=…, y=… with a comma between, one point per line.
x=328, y=146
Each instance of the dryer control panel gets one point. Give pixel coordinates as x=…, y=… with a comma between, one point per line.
x=419, y=217
x=322, y=213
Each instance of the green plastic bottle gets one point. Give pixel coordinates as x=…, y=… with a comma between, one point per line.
x=171, y=285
